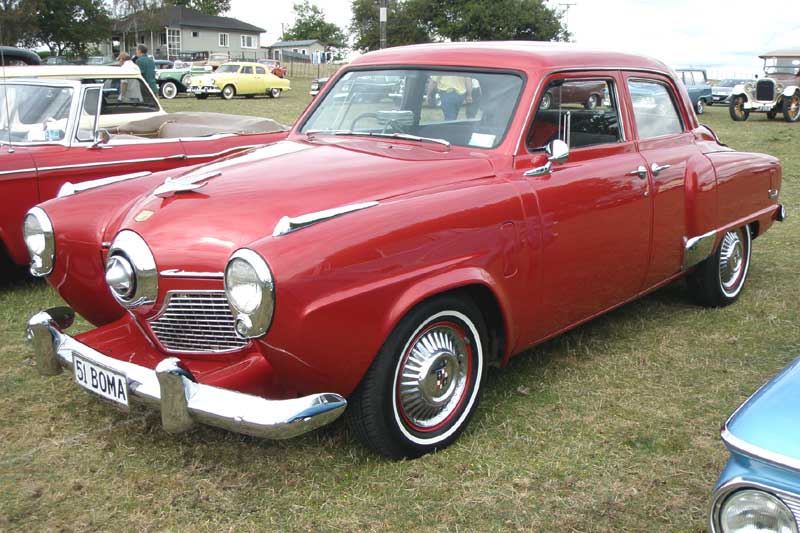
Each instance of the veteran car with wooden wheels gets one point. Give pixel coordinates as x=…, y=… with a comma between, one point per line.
x=777, y=92
x=239, y=79
x=381, y=258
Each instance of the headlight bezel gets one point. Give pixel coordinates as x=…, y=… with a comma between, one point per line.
x=738, y=488
x=256, y=322
x=133, y=248
x=43, y=261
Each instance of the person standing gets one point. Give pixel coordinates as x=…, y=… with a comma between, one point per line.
x=454, y=91
x=129, y=90
x=147, y=66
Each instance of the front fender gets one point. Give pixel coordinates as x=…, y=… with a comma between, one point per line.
x=790, y=90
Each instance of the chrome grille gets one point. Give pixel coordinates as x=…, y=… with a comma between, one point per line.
x=196, y=322
x=765, y=90
x=793, y=503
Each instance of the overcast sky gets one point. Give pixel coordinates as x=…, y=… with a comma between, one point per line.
x=724, y=36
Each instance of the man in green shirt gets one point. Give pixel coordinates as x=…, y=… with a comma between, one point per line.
x=147, y=66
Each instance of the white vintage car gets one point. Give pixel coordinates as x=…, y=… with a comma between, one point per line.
x=777, y=92
x=126, y=96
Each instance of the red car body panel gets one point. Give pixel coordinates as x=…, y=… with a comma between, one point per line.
x=550, y=252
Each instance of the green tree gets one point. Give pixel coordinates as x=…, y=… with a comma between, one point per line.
x=310, y=23
x=209, y=7
x=73, y=25
x=405, y=26
x=17, y=21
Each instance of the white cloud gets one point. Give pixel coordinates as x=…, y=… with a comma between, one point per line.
x=269, y=14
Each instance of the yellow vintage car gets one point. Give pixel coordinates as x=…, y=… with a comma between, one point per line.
x=238, y=78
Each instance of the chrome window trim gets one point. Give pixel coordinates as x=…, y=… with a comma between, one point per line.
x=740, y=483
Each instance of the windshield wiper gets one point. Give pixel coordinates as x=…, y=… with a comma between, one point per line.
x=404, y=136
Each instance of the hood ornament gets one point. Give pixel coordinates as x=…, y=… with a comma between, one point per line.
x=190, y=182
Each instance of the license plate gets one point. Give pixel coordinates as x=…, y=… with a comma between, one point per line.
x=100, y=380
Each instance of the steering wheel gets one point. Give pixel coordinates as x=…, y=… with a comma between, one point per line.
x=361, y=117
x=391, y=123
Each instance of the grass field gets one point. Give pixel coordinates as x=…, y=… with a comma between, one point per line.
x=613, y=426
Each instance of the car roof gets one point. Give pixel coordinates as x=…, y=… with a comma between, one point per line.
x=781, y=53
x=244, y=63
x=70, y=71
x=511, y=55
x=45, y=82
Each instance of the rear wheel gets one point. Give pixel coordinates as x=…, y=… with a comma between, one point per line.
x=737, y=110
x=274, y=93
x=719, y=280
x=791, y=107
x=700, y=107
x=423, y=386
x=169, y=90
x=228, y=92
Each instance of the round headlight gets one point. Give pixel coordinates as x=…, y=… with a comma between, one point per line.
x=755, y=510
x=37, y=231
x=250, y=292
x=131, y=272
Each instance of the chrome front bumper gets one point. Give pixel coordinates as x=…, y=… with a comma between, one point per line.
x=184, y=402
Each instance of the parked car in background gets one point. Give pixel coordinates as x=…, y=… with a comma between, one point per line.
x=317, y=84
x=274, y=67
x=56, y=60
x=777, y=92
x=163, y=64
x=176, y=80
x=588, y=93
x=721, y=92
x=381, y=258
x=126, y=96
x=214, y=60
x=238, y=78
x=13, y=56
x=759, y=488
x=696, y=82
x=51, y=140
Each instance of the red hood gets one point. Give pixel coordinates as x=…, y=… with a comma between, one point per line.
x=199, y=230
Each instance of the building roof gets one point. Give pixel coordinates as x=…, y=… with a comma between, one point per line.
x=183, y=16
x=781, y=53
x=284, y=44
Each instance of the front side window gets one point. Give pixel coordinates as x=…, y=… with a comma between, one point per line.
x=588, y=106
x=34, y=113
x=88, y=115
x=463, y=108
x=654, y=109
x=224, y=40
x=228, y=69
x=260, y=70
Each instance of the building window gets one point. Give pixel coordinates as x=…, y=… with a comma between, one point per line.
x=248, y=41
x=195, y=34
x=174, y=39
x=224, y=40
x=304, y=51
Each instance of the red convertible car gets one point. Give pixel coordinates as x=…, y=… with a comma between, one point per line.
x=377, y=261
x=49, y=137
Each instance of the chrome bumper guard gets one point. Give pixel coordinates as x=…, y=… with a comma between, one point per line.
x=184, y=402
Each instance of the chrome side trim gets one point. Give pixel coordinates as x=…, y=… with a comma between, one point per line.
x=69, y=188
x=18, y=170
x=698, y=248
x=790, y=500
x=178, y=273
x=739, y=445
x=112, y=163
x=289, y=224
x=181, y=400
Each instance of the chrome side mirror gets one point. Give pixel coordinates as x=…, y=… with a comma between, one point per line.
x=101, y=137
x=557, y=151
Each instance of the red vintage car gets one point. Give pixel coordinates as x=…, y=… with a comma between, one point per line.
x=51, y=139
x=377, y=261
x=275, y=67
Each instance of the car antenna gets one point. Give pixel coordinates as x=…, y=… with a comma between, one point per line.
x=10, y=148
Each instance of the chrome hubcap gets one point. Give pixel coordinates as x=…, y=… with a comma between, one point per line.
x=731, y=261
x=434, y=376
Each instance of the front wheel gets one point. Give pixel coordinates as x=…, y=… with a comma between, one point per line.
x=719, y=280
x=737, y=110
x=700, y=108
x=228, y=92
x=169, y=90
x=423, y=386
x=791, y=107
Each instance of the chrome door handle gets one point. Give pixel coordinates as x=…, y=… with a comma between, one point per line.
x=656, y=168
x=641, y=172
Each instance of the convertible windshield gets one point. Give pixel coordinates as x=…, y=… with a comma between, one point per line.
x=227, y=69
x=463, y=108
x=34, y=113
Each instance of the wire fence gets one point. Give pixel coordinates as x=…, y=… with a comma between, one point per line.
x=308, y=70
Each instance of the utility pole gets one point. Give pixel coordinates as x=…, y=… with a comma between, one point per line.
x=566, y=7
x=383, y=16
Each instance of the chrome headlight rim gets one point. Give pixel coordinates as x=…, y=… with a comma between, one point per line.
x=132, y=248
x=735, y=488
x=43, y=260
x=254, y=323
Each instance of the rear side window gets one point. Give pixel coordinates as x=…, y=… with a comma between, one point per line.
x=654, y=109
x=260, y=70
x=593, y=114
x=247, y=70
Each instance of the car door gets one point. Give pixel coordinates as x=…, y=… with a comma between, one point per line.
x=246, y=83
x=260, y=80
x=18, y=193
x=666, y=144
x=594, y=214
x=82, y=159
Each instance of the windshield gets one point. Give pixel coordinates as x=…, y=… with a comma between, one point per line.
x=223, y=69
x=463, y=108
x=35, y=113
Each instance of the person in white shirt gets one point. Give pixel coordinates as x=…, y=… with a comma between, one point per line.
x=129, y=90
